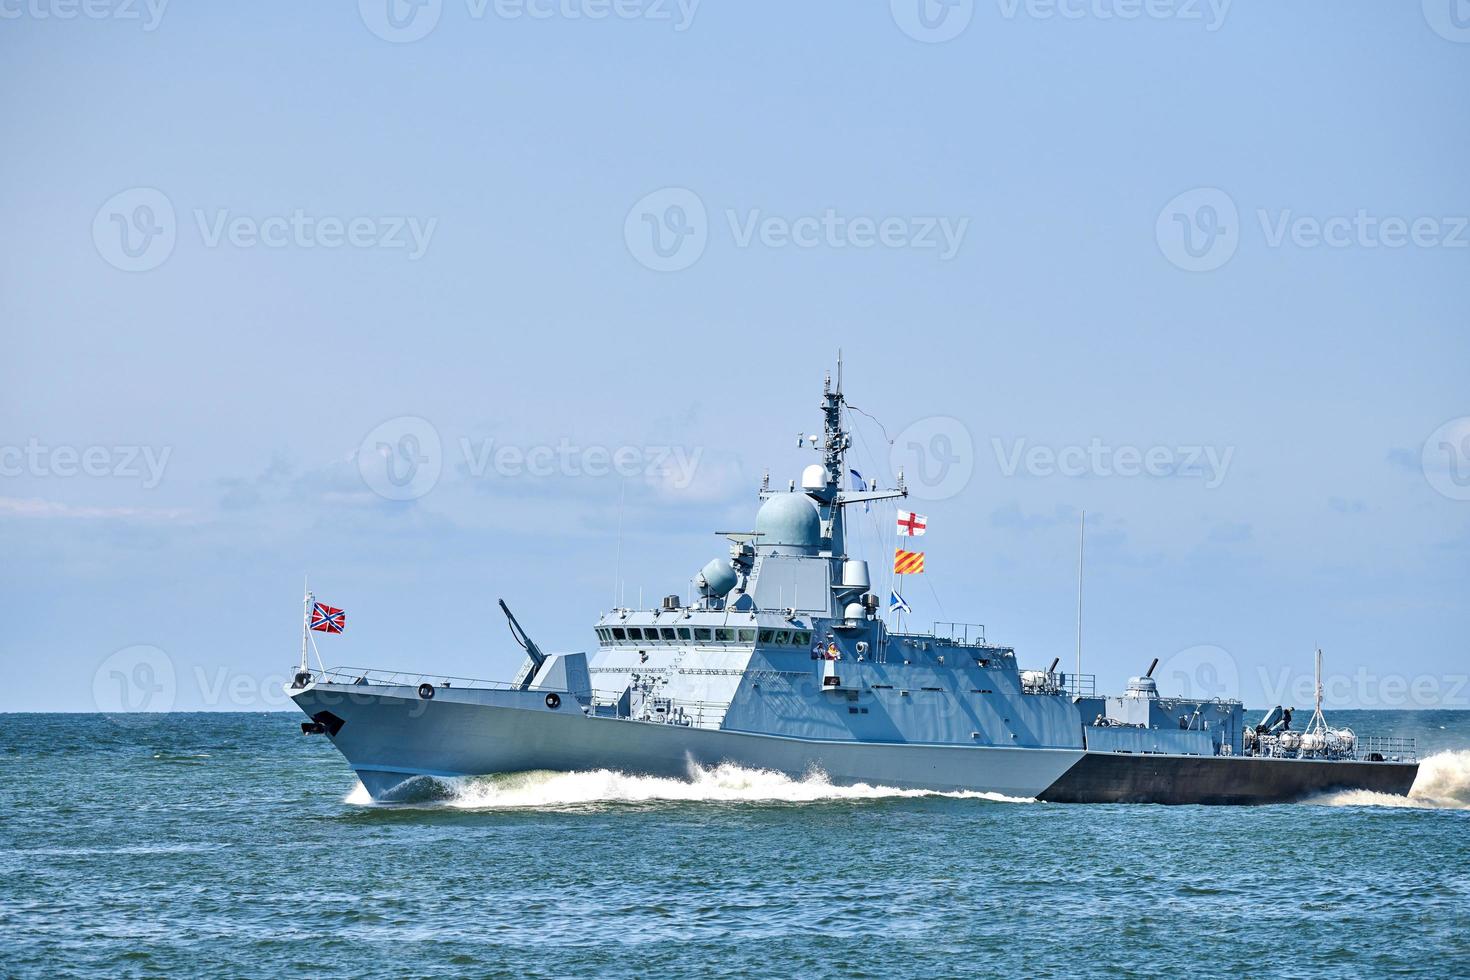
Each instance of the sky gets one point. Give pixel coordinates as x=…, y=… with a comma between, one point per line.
x=443, y=303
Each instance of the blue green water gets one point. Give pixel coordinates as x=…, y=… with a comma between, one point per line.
x=228, y=844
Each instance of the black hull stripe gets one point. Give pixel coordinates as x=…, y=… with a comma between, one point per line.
x=1108, y=777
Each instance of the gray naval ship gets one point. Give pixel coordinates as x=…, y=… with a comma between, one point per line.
x=784, y=662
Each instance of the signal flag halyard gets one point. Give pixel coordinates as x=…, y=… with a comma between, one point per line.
x=327, y=619
x=908, y=562
x=911, y=525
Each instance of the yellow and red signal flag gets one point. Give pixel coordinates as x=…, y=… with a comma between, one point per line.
x=908, y=562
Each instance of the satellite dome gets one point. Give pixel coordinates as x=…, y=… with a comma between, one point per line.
x=788, y=520
x=814, y=477
x=716, y=578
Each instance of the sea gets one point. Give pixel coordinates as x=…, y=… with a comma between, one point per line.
x=175, y=845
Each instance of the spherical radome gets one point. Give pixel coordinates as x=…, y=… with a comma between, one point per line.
x=790, y=520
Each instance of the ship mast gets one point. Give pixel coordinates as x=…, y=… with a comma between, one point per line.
x=823, y=483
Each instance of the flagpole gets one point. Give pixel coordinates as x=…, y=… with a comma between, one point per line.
x=1081, y=540
x=305, y=622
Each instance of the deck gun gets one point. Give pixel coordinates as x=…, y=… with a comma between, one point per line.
x=534, y=657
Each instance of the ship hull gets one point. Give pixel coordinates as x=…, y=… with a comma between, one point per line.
x=390, y=736
x=1107, y=777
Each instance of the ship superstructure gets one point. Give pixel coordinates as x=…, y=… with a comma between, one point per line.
x=783, y=660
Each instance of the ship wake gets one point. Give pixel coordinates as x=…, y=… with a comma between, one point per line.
x=718, y=784
x=1443, y=783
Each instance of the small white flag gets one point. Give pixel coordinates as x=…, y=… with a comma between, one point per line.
x=911, y=525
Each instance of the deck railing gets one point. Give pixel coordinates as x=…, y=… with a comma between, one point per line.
x=966, y=633
x=1385, y=748
x=362, y=676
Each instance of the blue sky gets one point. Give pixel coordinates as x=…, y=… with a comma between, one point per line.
x=240, y=241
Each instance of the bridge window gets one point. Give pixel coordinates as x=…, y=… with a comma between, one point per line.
x=634, y=633
x=619, y=633
x=747, y=636
x=801, y=638
x=684, y=633
x=783, y=637
x=724, y=635
x=702, y=633
x=768, y=636
x=667, y=632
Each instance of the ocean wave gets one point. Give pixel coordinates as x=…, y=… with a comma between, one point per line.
x=1443, y=783
x=719, y=784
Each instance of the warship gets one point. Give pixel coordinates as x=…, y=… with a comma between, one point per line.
x=780, y=658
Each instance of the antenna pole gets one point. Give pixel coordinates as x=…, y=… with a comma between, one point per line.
x=1319, y=680
x=305, y=621
x=1081, y=543
x=618, y=555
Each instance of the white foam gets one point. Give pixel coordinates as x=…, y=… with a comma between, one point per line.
x=721, y=784
x=1443, y=783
